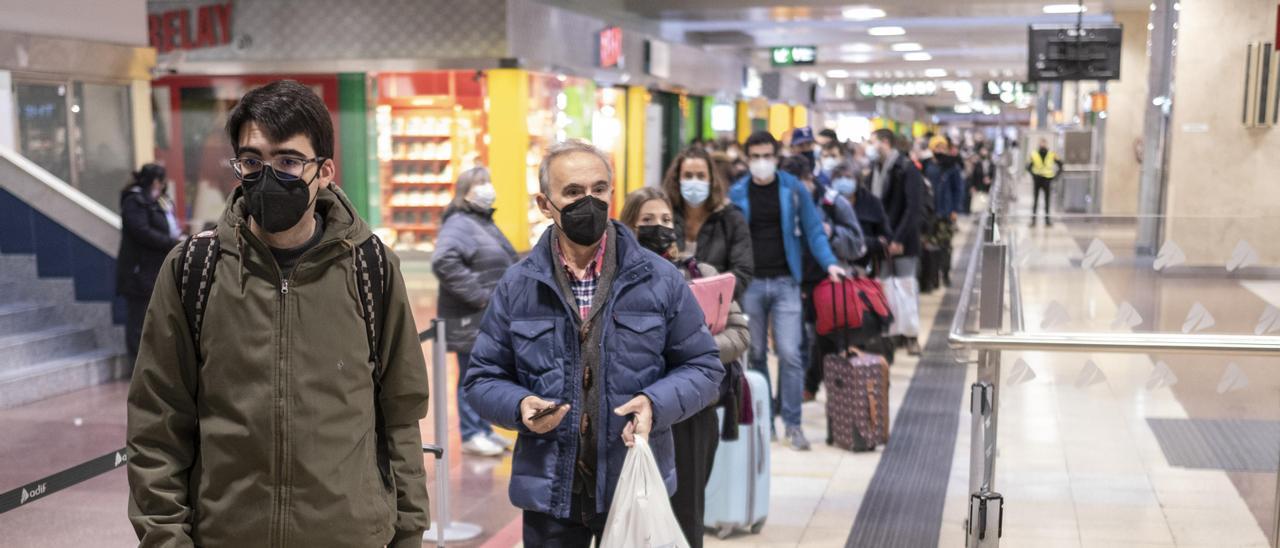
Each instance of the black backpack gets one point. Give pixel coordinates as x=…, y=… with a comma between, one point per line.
x=195, y=277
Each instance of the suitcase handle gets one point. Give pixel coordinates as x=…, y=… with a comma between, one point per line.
x=835, y=314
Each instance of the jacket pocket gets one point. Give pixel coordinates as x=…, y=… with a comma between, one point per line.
x=539, y=353
x=637, y=345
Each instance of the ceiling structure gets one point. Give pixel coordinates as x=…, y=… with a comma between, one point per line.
x=963, y=39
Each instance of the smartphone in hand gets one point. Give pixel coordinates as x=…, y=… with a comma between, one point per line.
x=548, y=411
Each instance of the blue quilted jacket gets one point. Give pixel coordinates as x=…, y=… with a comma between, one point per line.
x=655, y=342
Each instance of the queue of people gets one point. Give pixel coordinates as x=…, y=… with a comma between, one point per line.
x=239, y=432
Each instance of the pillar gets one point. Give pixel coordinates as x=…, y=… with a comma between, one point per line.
x=637, y=102
x=508, y=96
x=1155, y=128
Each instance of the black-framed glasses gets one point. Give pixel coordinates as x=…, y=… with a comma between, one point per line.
x=286, y=168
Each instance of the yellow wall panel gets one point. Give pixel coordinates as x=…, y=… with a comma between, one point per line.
x=508, y=97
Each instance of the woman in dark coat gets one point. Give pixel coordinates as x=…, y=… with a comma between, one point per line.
x=708, y=227
x=148, y=232
x=470, y=257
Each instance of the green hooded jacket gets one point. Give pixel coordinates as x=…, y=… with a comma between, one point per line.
x=271, y=440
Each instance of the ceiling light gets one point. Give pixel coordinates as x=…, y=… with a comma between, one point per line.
x=1064, y=8
x=964, y=109
x=886, y=31
x=862, y=13
x=918, y=56
x=861, y=74
x=935, y=73
x=907, y=46
x=859, y=47
x=856, y=58
x=837, y=73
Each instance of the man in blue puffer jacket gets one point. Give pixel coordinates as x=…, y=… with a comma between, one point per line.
x=603, y=337
x=784, y=223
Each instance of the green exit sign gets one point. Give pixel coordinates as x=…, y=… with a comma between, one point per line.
x=793, y=55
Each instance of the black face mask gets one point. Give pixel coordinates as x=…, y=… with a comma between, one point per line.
x=656, y=238
x=276, y=205
x=584, y=221
x=1043, y=151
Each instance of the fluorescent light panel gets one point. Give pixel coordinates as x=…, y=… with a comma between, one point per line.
x=886, y=31
x=918, y=56
x=1064, y=8
x=837, y=73
x=935, y=73
x=907, y=46
x=859, y=47
x=862, y=13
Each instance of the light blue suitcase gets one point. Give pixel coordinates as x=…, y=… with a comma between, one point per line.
x=737, y=496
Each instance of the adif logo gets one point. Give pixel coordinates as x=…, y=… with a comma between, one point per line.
x=1270, y=321
x=1170, y=255
x=32, y=493
x=1021, y=374
x=1054, y=315
x=1161, y=377
x=1198, y=319
x=1097, y=255
x=121, y=458
x=1090, y=375
x=1126, y=316
x=1244, y=255
x=1233, y=378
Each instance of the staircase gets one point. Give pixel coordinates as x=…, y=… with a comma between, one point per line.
x=51, y=344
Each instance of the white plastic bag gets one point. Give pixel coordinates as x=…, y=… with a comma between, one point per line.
x=903, y=294
x=641, y=513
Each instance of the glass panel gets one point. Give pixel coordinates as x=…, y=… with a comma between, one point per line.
x=1157, y=448
x=103, y=141
x=42, y=127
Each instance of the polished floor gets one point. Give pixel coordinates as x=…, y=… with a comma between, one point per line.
x=1078, y=463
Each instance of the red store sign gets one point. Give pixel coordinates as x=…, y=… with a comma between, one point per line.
x=610, y=47
x=173, y=29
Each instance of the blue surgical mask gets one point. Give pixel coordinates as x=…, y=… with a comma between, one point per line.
x=844, y=185
x=695, y=191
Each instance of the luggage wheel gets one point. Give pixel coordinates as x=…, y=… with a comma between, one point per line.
x=755, y=529
x=724, y=531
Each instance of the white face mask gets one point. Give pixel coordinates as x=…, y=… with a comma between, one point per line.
x=695, y=191
x=873, y=153
x=829, y=163
x=483, y=196
x=763, y=169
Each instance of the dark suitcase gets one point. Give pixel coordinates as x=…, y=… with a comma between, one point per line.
x=857, y=398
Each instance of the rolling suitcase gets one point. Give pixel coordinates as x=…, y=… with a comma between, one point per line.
x=930, y=269
x=737, y=495
x=857, y=398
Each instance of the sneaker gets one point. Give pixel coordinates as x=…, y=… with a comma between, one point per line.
x=796, y=439
x=500, y=441
x=913, y=346
x=481, y=446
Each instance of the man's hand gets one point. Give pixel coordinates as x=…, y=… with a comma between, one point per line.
x=642, y=408
x=835, y=272
x=895, y=249
x=826, y=227
x=531, y=405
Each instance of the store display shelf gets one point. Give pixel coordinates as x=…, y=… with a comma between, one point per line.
x=421, y=135
x=422, y=159
x=422, y=183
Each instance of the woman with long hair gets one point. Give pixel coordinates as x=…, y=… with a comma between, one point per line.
x=708, y=227
x=648, y=213
x=148, y=232
x=470, y=257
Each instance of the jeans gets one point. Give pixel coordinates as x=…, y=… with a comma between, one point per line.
x=469, y=422
x=778, y=299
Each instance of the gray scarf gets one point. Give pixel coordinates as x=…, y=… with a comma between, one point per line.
x=880, y=179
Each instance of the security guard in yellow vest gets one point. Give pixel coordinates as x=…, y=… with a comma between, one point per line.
x=1044, y=168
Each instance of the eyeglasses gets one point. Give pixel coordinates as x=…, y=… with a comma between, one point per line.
x=286, y=168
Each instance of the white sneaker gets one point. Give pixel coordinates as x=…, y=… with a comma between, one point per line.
x=481, y=446
x=500, y=441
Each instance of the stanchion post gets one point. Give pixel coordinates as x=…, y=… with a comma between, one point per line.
x=443, y=528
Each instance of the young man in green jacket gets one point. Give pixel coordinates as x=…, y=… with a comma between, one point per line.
x=285, y=411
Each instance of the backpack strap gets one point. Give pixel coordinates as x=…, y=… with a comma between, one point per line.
x=199, y=261
x=371, y=283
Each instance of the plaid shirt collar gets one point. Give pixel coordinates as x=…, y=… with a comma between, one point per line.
x=584, y=289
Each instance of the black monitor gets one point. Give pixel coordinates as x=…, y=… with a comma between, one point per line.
x=1061, y=52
